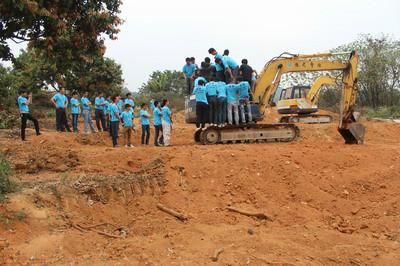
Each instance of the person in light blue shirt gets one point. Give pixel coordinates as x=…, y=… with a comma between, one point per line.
x=152, y=105
x=231, y=67
x=189, y=71
x=130, y=101
x=108, y=102
x=233, y=103
x=99, y=104
x=127, y=119
x=166, y=122
x=219, y=66
x=211, y=89
x=222, y=103
x=24, y=100
x=145, y=121
x=87, y=117
x=244, y=101
x=75, y=111
x=196, y=81
x=60, y=101
x=157, y=116
x=120, y=104
x=201, y=105
x=115, y=118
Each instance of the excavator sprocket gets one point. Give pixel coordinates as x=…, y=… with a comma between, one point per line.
x=248, y=133
x=307, y=119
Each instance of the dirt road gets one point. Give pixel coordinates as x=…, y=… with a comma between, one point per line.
x=85, y=202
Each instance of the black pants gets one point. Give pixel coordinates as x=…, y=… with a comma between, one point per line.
x=201, y=114
x=158, y=135
x=100, y=117
x=213, y=109
x=145, y=134
x=61, y=120
x=75, y=122
x=24, y=119
x=189, y=85
x=114, y=132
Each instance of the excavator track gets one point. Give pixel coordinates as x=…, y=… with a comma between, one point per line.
x=247, y=133
x=306, y=119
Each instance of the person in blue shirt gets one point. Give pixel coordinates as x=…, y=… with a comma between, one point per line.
x=219, y=66
x=157, y=116
x=211, y=89
x=232, y=97
x=129, y=100
x=222, y=103
x=99, y=115
x=196, y=81
x=75, y=111
x=166, y=123
x=24, y=100
x=145, y=121
x=201, y=105
x=115, y=119
x=86, y=113
x=244, y=101
x=60, y=101
x=231, y=67
x=152, y=105
x=107, y=113
x=127, y=120
x=120, y=104
x=189, y=71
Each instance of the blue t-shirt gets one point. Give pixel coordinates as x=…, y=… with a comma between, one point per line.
x=127, y=118
x=221, y=89
x=106, y=107
x=23, y=107
x=99, y=100
x=166, y=115
x=75, y=106
x=211, y=88
x=188, y=70
x=232, y=91
x=244, y=87
x=152, y=106
x=218, y=67
x=120, y=106
x=143, y=119
x=157, y=113
x=229, y=62
x=201, y=94
x=60, y=100
x=85, y=103
x=114, y=109
x=130, y=102
x=196, y=81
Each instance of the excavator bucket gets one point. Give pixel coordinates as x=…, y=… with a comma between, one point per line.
x=353, y=133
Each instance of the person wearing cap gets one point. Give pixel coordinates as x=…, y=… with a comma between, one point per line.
x=24, y=100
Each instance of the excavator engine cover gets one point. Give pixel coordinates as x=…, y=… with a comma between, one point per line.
x=353, y=133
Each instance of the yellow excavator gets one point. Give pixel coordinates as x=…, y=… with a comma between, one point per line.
x=298, y=104
x=267, y=84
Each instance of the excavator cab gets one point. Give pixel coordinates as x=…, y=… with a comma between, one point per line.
x=293, y=101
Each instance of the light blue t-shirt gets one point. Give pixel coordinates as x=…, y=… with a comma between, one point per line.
x=188, y=70
x=244, y=89
x=60, y=100
x=130, y=102
x=99, y=100
x=211, y=88
x=23, y=107
x=127, y=118
x=106, y=107
x=196, y=81
x=85, y=103
x=218, y=67
x=229, y=62
x=157, y=113
x=166, y=115
x=201, y=94
x=152, y=106
x=114, y=109
x=221, y=89
x=232, y=91
x=75, y=106
x=143, y=119
x=120, y=105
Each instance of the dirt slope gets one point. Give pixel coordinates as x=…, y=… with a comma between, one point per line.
x=330, y=203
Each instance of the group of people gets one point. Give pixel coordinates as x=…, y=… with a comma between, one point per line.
x=109, y=113
x=222, y=89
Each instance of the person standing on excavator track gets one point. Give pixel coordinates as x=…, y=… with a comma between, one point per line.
x=200, y=92
x=189, y=71
x=219, y=67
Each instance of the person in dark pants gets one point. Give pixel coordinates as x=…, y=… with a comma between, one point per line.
x=24, y=100
x=201, y=105
x=222, y=103
x=145, y=121
x=115, y=118
x=246, y=71
x=157, y=115
x=189, y=71
x=99, y=104
x=75, y=111
x=60, y=101
x=219, y=67
x=211, y=89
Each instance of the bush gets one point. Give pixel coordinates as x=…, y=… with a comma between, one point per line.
x=390, y=112
x=6, y=186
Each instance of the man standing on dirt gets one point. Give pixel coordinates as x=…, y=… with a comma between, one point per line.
x=60, y=101
x=166, y=123
x=24, y=100
x=99, y=115
x=115, y=118
x=87, y=117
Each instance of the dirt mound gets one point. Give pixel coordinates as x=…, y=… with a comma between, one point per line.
x=91, y=139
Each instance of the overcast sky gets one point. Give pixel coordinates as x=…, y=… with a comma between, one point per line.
x=158, y=35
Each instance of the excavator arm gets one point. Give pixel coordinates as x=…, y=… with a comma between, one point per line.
x=270, y=77
x=317, y=85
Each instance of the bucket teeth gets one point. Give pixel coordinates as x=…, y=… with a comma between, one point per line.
x=353, y=133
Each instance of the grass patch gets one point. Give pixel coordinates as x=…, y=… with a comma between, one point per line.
x=6, y=186
x=391, y=112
